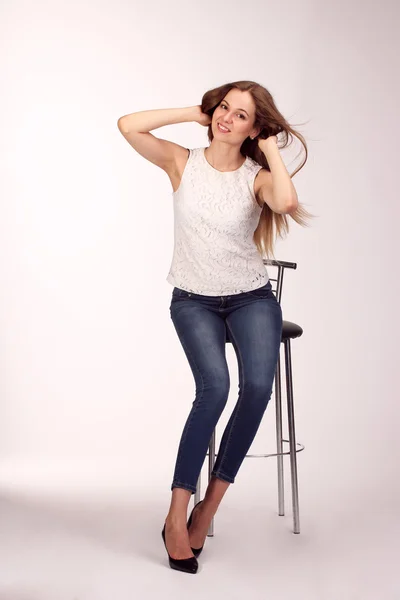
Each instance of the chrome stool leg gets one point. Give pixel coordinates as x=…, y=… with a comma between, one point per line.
x=198, y=488
x=279, y=445
x=292, y=437
x=211, y=461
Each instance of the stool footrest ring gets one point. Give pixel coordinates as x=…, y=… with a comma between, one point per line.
x=299, y=449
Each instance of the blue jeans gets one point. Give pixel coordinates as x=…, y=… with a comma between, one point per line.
x=253, y=323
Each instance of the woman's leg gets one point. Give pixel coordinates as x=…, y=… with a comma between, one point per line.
x=255, y=330
x=205, y=511
x=176, y=533
x=202, y=334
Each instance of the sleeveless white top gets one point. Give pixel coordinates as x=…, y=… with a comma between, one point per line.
x=215, y=216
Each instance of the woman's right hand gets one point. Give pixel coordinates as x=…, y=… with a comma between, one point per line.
x=200, y=117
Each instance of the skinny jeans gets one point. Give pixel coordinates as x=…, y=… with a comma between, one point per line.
x=252, y=321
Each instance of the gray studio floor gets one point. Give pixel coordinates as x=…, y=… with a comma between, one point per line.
x=60, y=546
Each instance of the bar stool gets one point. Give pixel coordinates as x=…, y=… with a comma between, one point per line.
x=289, y=331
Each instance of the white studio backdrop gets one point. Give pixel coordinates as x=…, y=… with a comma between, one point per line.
x=95, y=386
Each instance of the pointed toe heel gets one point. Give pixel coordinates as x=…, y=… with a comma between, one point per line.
x=187, y=565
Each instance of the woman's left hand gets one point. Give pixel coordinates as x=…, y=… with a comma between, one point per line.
x=264, y=143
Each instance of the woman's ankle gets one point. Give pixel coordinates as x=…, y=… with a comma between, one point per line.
x=176, y=520
x=207, y=510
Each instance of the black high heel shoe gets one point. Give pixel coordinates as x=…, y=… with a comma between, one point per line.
x=196, y=551
x=188, y=565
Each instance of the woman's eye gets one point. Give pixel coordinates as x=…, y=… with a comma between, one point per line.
x=240, y=114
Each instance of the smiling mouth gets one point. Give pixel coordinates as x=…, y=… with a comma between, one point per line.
x=221, y=128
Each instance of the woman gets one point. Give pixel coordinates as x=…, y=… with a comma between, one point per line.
x=227, y=197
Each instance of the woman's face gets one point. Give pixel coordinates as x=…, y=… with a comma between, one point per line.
x=236, y=112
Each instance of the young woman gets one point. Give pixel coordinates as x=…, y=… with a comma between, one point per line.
x=227, y=197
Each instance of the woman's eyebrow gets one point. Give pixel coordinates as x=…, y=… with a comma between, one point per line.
x=238, y=108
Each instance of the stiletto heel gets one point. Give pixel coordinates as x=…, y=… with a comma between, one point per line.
x=196, y=551
x=187, y=565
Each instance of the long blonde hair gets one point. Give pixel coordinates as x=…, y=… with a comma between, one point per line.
x=271, y=122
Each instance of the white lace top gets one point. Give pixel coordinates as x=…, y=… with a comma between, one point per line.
x=215, y=216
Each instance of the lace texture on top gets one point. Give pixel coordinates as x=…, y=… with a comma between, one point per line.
x=215, y=216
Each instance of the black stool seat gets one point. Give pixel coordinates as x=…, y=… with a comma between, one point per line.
x=291, y=330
